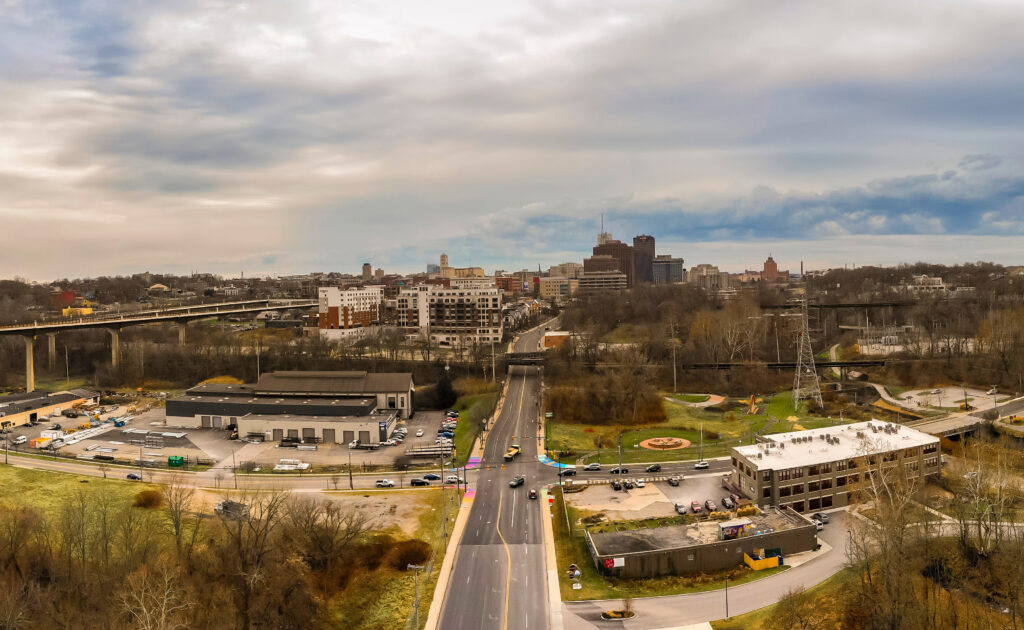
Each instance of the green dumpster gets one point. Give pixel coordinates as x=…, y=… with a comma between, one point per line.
x=175, y=461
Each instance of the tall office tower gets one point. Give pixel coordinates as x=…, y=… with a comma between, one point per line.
x=623, y=253
x=367, y=271
x=643, y=258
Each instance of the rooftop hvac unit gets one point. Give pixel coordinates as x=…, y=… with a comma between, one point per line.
x=837, y=441
x=783, y=445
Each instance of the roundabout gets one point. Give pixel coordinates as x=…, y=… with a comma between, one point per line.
x=665, y=444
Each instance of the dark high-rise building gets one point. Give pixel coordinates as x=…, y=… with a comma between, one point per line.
x=643, y=258
x=595, y=264
x=623, y=253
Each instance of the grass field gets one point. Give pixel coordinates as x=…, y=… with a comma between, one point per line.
x=691, y=398
x=572, y=549
x=48, y=490
x=472, y=410
x=732, y=429
x=826, y=593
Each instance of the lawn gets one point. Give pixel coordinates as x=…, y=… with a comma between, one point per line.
x=48, y=490
x=691, y=398
x=472, y=410
x=826, y=592
x=573, y=550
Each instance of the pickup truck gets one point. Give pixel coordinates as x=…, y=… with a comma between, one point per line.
x=512, y=451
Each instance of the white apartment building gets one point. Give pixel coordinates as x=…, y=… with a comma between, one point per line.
x=347, y=314
x=410, y=310
x=467, y=312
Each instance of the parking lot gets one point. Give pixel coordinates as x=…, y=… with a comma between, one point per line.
x=656, y=499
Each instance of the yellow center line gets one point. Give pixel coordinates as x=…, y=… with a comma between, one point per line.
x=508, y=566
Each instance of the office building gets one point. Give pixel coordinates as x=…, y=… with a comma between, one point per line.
x=824, y=468
x=643, y=258
x=433, y=269
x=367, y=272
x=667, y=270
x=600, y=263
x=566, y=270
x=622, y=253
x=557, y=289
x=601, y=281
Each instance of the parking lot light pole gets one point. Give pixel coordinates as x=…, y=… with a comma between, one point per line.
x=726, y=598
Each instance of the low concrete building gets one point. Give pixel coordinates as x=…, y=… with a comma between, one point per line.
x=823, y=468
x=19, y=409
x=700, y=547
x=369, y=429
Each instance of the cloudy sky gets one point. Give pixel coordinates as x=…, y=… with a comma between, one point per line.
x=284, y=137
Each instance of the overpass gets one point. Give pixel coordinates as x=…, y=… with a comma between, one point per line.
x=524, y=358
x=114, y=322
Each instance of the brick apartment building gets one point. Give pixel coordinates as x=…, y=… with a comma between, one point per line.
x=348, y=313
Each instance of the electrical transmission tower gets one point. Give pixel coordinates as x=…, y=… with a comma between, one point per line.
x=805, y=383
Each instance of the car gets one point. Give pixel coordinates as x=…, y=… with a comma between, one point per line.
x=818, y=524
x=567, y=472
x=616, y=485
x=448, y=435
x=654, y=468
x=592, y=467
x=728, y=503
x=432, y=476
x=935, y=391
x=390, y=442
x=674, y=480
x=419, y=433
x=710, y=505
x=702, y=465
x=618, y=471
x=353, y=444
x=821, y=517
x=533, y=493
x=680, y=508
x=695, y=507
x=418, y=482
x=627, y=484
x=992, y=392
x=454, y=479
x=134, y=476
x=517, y=481
x=640, y=483
x=385, y=483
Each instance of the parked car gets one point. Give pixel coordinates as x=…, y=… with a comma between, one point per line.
x=517, y=481
x=640, y=483
x=821, y=517
x=654, y=468
x=418, y=482
x=695, y=507
x=432, y=476
x=674, y=480
x=728, y=503
x=992, y=392
x=627, y=484
x=533, y=494
x=21, y=439
x=710, y=505
x=818, y=524
x=353, y=444
x=702, y=465
x=935, y=391
x=419, y=433
x=134, y=476
x=616, y=485
x=592, y=467
x=567, y=472
x=680, y=508
x=385, y=483
x=618, y=471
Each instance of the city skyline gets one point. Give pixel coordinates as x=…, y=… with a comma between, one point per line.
x=316, y=137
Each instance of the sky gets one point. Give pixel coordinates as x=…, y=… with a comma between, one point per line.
x=314, y=135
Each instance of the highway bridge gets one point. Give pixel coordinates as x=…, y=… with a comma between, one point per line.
x=114, y=322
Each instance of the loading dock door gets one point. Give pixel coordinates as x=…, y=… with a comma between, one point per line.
x=328, y=436
x=364, y=437
x=293, y=433
x=206, y=422
x=278, y=434
x=348, y=436
x=216, y=422
x=308, y=433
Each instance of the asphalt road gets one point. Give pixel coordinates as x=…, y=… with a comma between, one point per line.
x=499, y=580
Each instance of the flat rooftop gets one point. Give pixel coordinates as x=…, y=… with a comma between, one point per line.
x=355, y=403
x=814, y=446
x=296, y=417
x=696, y=534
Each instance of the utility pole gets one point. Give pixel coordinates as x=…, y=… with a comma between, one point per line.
x=234, y=469
x=350, y=487
x=675, y=387
x=444, y=506
x=726, y=598
x=493, y=378
x=67, y=366
x=805, y=382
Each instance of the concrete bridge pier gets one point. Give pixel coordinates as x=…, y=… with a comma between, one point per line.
x=51, y=349
x=181, y=332
x=115, y=345
x=30, y=364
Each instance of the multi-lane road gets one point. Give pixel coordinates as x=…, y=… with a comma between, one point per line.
x=499, y=579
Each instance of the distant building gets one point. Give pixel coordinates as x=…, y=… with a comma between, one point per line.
x=433, y=269
x=459, y=272
x=19, y=409
x=667, y=270
x=466, y=313
x=643, y=258
x=557, y=289
x=410, y=309
x=347, y=314
x=566, y=270
x=367, y=271
x=600, y=263
x=621, y=252
x=601, y=281
x=707, y=277
x=771, y=272
x=604, y=237
x=378, y=275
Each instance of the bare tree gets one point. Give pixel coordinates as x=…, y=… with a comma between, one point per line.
x=796, y=610
x=322, y=529
x=155, y=602
x=178, y=499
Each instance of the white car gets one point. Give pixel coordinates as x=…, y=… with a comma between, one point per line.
x=389, y=443
x=992, y=392
x=936, y=391
x=701, y=465
x=640, y=483
x=419, y=433
x=385, y=483
x=453, y=479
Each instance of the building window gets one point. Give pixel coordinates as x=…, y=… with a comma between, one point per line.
x=840, y=481
x=798, y=488
x=840, y=466
x=813, y=504
x=813, y=486
x=783, y=475
x=826, y=502
x=826, y=468
x=798, y=473
x=766, y=475
x=931, y=448
x=826, y=484
x=785, y=491
x=689, y=557
x=814, y=470
x=766, y=492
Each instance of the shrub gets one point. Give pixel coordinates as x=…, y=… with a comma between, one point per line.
x=148, y=499
x=750, y=510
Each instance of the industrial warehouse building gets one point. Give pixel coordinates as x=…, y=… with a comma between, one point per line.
x=824, y=468
x=701, y=547
x=19, y=409
x=321, y=406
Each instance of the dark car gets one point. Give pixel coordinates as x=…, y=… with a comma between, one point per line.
x=674, y=480
x=627, y=484
x=432, y=477
x=618, y=471
x=135, y=476
x=616, y=486
x=533, y=494
x=728, y=503
x=654, y=468
x=567, y=472
x=517, y=481
x=710, y=505
x=821, y=517
x=419, y=482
